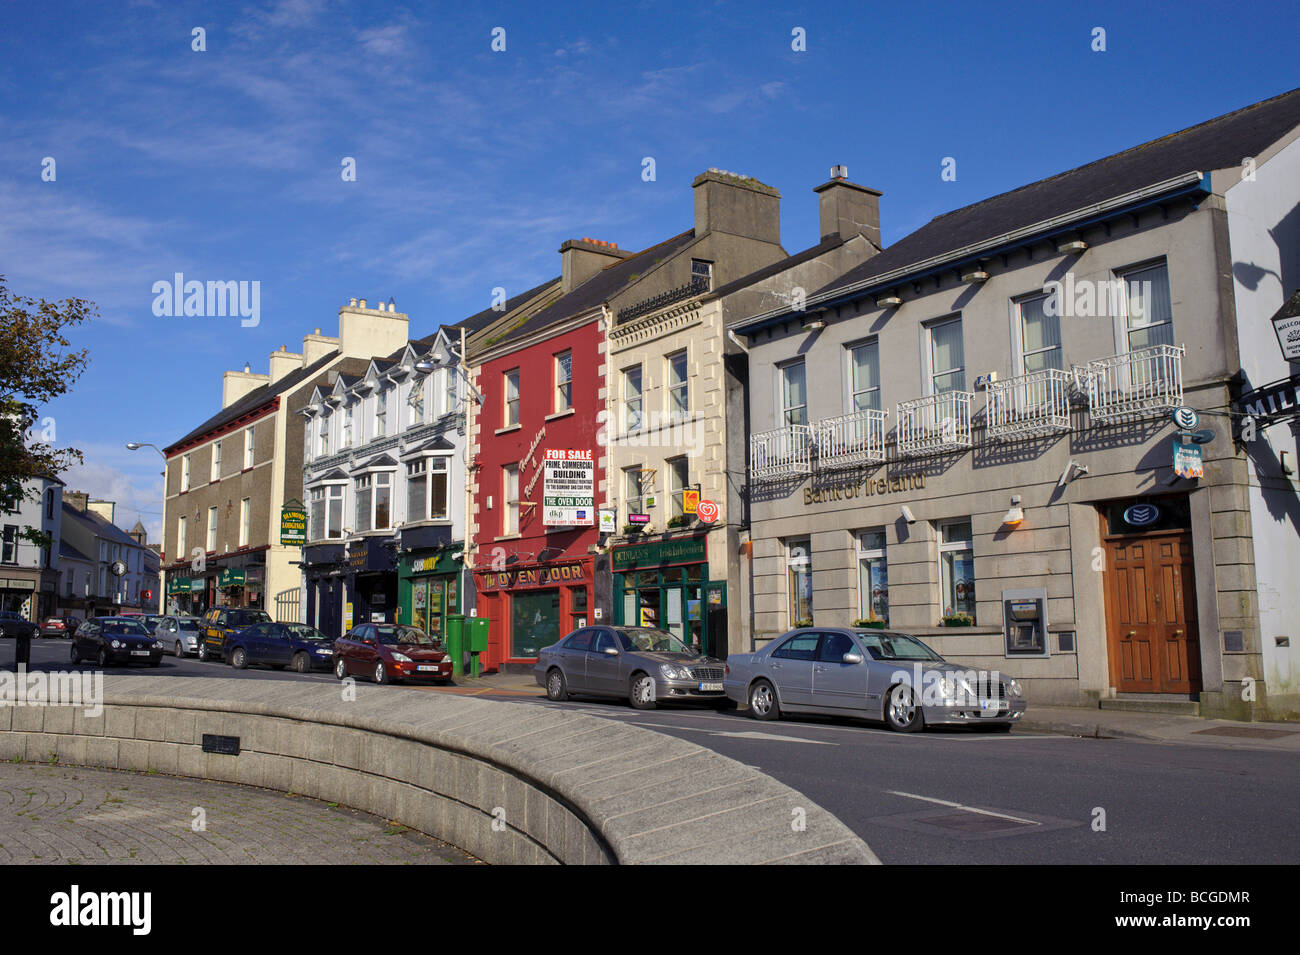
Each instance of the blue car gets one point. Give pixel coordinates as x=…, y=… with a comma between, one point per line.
x=279, y=645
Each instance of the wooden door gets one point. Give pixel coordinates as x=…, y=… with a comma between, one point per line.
x=1151, y=609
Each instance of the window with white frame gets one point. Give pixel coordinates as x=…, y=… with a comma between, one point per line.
x=633, y=498
x=957, y=568
x=346, y=441
x=511, y=398
x=509, y=499
x=381, y=412
x=947, y=357
x=873, y=576
x=9, y=544
x=212, y=530
x=415, y=400
x=794, y=394
x=426, y=489
x=632, y=399
x=245, y=519
x=450, y=390
x=181, y=525
x=679, y=398
x=702, y=271
x=864, y=376
x=798, y=561
x=326, y=512
x=216, y=461
x=563, y=381
x=316, y=514
x=323, y=436
x=185, y=472
x=1147, y=307
x=250, y=445
x=361, y=519
x=679, y=479
x=1040, y=334
x=383, y=495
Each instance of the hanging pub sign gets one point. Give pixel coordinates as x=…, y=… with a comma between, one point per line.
x=569, y=489
x=293, y=524
x=1286, y=323
x=1187, y=459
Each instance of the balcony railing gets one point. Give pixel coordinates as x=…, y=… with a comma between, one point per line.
x=934, y=424
x=851, y=439
x=1142, y=383
x=783, y=452
x=1027, y=405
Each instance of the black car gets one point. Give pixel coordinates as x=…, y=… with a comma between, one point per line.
x=220, y=623
x=16, y=625
x=109, y=640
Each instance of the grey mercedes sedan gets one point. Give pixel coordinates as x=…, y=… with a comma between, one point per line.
x=878, y=675
x=645, y=665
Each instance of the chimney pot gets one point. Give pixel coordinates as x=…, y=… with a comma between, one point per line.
x=353, y=302
x=363, y=303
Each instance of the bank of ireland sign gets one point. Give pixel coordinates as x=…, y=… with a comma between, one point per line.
x=569, y=489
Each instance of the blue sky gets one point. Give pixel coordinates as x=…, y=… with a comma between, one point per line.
x=473, y=165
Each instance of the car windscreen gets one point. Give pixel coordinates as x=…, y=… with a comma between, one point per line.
x=653, y=641
x=125, y=628
x=246, y=618
x=299, y=631
x=895, y=646
x=187, y=624
x=393, y=636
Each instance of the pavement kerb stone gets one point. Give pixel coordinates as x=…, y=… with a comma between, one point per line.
x=481, y=778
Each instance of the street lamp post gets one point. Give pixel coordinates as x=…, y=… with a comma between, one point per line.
x=162, y=590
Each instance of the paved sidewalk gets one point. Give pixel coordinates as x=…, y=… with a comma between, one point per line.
x=55, y=814
x=1041, y=718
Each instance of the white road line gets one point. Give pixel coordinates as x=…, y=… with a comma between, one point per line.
x=957, y=805
x=749, y=734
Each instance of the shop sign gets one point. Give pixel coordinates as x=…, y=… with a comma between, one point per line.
x=569, y=489
x=1286, y=323
x=608, y=520
x=688, y=551
x=358, y=555
x=865, y=488
x=534, y=576
x=178, y=585
x=231, y=577
x=198, y=585
x=1281, y=399
x=347, y=616
x=1187, y=460
x=707, y=512
x=690, y=501
x=293, y=524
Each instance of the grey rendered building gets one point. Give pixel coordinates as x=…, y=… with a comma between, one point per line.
x=969, y=436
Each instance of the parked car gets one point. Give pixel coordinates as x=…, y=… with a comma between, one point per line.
x=279, y=645
x=390, y=653
x=221, y=622
x=109, y=640
x=14, y=624
x=880, y=675
x=151, y=620
x=180, y=633
x=645, y=665
x=59, y=626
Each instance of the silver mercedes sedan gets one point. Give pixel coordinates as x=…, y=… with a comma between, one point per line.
x=878, y=675
x=645, y=665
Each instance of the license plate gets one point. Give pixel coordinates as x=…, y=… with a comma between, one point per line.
x=424, y=669
x=710, y=687
x=139, y=653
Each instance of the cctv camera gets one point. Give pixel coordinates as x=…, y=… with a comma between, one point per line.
x=908, y=515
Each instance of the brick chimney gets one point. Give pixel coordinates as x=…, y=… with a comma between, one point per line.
x=738, y=205
x=77, y=500
x=847, y=209
x=580, y=259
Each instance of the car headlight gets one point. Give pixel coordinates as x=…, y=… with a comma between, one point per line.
x=401, y=658
x=323, y=650
x=671, y=672
x=116, y=645
x=1015, y=689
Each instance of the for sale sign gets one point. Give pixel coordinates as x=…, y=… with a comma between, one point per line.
x=569, y=489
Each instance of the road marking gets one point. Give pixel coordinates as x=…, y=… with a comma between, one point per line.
x=957, y=805
x=748, y=734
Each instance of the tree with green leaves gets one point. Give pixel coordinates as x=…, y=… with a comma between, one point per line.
x=37, y=365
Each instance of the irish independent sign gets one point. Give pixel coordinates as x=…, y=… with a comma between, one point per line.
x=569, y=489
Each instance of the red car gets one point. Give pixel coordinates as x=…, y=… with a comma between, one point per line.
x=60, y=626
x=390, y=653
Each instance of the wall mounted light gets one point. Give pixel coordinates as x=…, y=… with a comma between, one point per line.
x=907, y=514
x=1015, y=513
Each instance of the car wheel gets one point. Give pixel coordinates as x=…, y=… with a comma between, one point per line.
x=180, y=650
x=380, y=674
x=340, y=669
x=763, y=704
x=239, y=659
x=641, y=691
x=902, y=712
x=204, y=653
x=75, y=654
x=557, y=689
x=302, y=663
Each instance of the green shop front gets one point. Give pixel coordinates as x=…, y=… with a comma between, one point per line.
x=665, y=584
x=429, y=588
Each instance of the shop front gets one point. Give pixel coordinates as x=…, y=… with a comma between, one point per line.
x=531, y=606
x=19, y=594
x=371, y=582
x=323, y=568
x=429, y=588
x=665, y=584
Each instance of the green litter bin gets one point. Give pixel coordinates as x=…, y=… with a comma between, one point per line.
x=456, y=642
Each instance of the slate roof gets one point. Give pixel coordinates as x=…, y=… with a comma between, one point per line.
x=1218, y=143
x=828, y=244
x=70, y=552
x=600, y=287
x=99, y=526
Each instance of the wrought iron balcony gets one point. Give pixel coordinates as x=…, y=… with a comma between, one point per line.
x=934, y=424
x=1033, y=404
x=784, y=452
x=1142, y=383
x=851, y=439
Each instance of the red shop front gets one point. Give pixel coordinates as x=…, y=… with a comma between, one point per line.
x=532, y=606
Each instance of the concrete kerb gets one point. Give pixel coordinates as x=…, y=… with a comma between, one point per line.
x=504, y=783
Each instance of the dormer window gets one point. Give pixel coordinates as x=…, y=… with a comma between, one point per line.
x=381, y=413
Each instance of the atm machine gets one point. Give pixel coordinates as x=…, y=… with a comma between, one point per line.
x=1024, y=614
